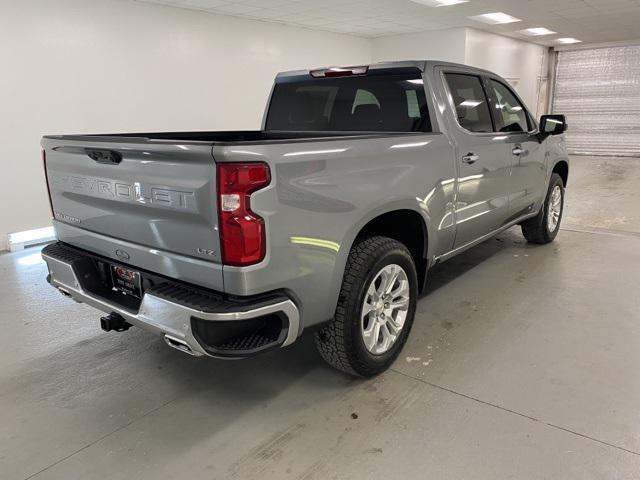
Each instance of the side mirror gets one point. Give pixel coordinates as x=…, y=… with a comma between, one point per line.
x=553, y=124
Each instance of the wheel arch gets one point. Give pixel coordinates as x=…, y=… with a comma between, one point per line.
x=405, y=225
x=561, y=167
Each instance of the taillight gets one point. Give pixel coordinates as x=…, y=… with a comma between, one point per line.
x=46, y=180
x=242, y=234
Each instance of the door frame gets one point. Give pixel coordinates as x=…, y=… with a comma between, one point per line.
x=442, y=71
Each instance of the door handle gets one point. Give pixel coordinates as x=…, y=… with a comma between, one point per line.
x=470, y=158
x=517, y=151
x=101, y=155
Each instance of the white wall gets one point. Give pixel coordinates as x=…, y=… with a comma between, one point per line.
x=74, y=66
x=82, y=66
x=447, y=45
x=510, y=58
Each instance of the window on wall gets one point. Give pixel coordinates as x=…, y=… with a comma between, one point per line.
x=510, y=115
x=471, y=104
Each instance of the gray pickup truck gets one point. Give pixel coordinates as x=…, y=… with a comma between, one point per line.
x=326, y=220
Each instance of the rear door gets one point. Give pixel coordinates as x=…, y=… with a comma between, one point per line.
x=484, y=162
x=153, y=198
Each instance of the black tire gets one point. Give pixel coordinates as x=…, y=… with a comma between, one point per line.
x=536, y=229
x=341, y=342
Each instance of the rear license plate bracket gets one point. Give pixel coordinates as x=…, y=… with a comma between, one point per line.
x=126, y=281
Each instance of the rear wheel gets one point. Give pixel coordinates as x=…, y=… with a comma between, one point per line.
x=544, y=227
x=375, y=308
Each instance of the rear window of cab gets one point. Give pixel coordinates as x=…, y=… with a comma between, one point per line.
x=359, y=103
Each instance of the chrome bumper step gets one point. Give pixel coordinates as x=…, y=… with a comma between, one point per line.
x=172, y=310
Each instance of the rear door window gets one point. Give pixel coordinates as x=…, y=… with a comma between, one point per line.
x=374, y=102
x=472, y=107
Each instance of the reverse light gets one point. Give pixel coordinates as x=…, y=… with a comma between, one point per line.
x=242, y=232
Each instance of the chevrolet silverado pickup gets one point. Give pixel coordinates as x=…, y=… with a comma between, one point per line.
x=327, y=220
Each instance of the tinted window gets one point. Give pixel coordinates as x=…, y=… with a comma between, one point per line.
x=470, y=102
x=509, y=114
x=364, y=97
x=382, y=102
x=413, y=106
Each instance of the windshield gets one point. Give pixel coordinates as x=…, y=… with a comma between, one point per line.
x=382, y=102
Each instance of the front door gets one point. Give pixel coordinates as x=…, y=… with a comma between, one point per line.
x=484, y=161
x=517, y=128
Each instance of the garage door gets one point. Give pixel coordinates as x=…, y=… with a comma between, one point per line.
x=599, y=91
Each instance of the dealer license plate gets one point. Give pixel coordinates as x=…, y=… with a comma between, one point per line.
x=126, y=281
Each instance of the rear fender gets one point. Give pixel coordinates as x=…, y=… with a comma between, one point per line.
x=352, y=235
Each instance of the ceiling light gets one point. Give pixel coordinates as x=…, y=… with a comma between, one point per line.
x=568, y=40
x=537, y=31
x=495, y=18
x=439, y=3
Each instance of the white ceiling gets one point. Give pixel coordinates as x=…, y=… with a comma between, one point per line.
x=592, y=21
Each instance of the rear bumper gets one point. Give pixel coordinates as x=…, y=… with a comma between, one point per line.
x=195, y=321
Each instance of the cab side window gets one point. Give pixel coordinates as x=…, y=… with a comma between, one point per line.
x=509, y=114
x=471, y=104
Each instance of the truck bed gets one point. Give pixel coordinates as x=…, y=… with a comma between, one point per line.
x=223, y=137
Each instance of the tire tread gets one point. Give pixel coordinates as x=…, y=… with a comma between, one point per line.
x=534, y=230
x=333, y=341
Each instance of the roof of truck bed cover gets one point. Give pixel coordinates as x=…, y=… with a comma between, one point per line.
x=421, y=65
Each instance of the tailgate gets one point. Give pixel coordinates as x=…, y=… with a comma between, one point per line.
x=153, y=203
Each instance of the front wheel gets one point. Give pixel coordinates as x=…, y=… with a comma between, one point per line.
x=544, y=227
x=375, y=308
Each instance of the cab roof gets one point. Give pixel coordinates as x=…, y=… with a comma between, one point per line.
x=422, y=65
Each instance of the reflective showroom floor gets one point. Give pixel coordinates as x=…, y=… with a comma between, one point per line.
x=523, y=363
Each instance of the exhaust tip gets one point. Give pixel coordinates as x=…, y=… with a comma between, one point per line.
x=64, y=292
x=180, y=345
